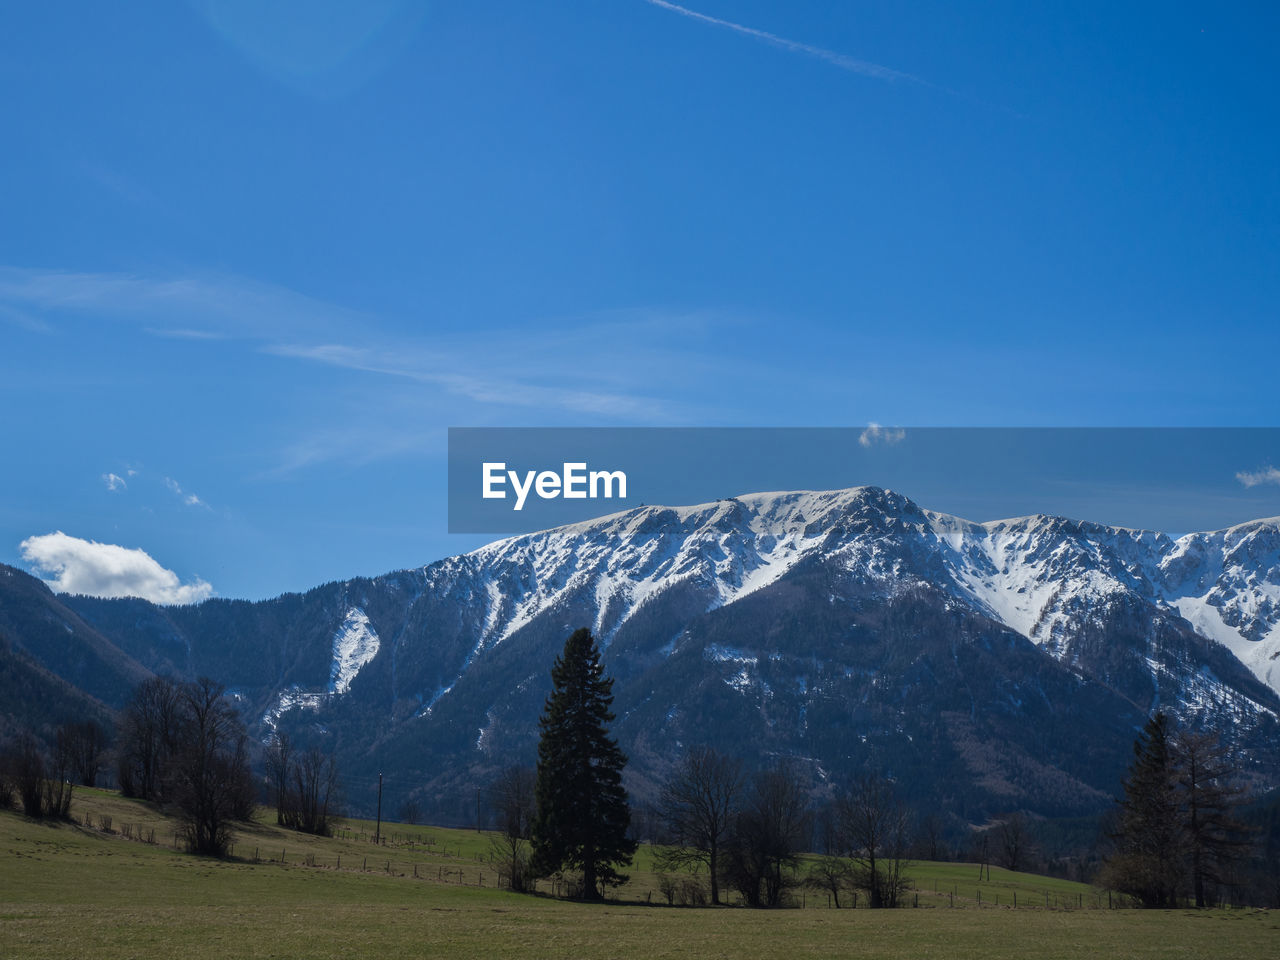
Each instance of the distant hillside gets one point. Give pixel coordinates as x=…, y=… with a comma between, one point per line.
x=53, y=635
x=37, y=700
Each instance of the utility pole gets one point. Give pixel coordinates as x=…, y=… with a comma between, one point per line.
x=377, y=833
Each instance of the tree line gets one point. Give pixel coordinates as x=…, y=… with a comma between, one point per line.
x=184, y=744
x=569, y=818
x=41, y=781
x=716, y=827
x=1178, y=837
x=181, y=745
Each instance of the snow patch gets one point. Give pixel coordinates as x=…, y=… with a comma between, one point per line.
x=354, y=645
x=722, y=654
x=425, y=711
x=740, y=681
x=288, y=699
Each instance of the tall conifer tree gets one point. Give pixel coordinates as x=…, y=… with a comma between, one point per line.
x=582, y=814
x=1151, y=841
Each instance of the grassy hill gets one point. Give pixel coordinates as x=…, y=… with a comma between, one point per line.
x=71, y=890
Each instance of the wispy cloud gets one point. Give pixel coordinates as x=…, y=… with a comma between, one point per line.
x=636, y=365
x=179, y=333
x=107, y=570
x=628, y=366
x=444, y=370
x=877, y=434
x=1256, y=478
x=358, y=445
x=852, y=64
x=114, y=482
x=190, y=499
x=206, y=306
x=20, y=318
x=285, y=323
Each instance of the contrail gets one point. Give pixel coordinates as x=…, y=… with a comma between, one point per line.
x=852, y=64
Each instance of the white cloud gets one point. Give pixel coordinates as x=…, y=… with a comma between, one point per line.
x=107, y=570
x=114, y=482
x=878, y=434
x=1253, y=479
x=190, y=499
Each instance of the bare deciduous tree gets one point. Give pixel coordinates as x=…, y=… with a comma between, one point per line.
x=57, y=785
x=279, y=762
x=513, y=799
x=767, y=835
x=315, y=787
x=1013, y=840
x=875, y=826
x=697, y=806
x=305, y=783
x=26, y=770
x=40, y=781
x=930, y=839
x=148, y=738
x=830, y=874
x=410, y=812
x=1215, y=838
x=85, y=743
x=208, y=766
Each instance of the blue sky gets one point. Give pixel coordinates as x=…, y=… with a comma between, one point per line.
x=264, y=254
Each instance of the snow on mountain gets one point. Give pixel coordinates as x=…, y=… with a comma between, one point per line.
x=354, y=645
x=1037, y=575
x=288, y=700
x=731, y=546
x=1227, y=585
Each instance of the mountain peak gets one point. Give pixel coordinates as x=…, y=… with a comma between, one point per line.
x=1033, y=574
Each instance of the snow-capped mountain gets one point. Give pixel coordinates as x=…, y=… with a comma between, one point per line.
x=1040, y=576
x=987, y=665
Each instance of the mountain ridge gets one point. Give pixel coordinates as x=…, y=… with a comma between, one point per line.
x=851, y=627
x=1169, y=549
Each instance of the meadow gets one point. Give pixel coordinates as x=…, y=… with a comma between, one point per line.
x=75, y=890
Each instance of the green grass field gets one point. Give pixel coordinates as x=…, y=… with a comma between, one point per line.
x=75, y=891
